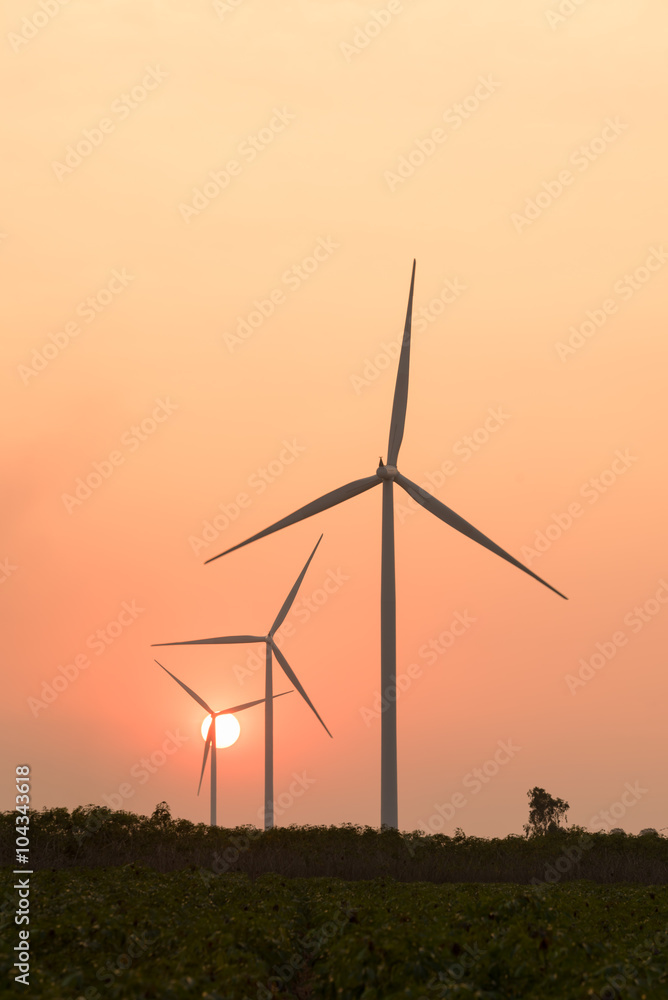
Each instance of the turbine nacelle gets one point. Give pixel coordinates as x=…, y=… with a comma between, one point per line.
x=387, y=472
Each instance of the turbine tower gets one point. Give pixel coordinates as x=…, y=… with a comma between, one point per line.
x=271, y=648
x=211, y=734
x=388, y=475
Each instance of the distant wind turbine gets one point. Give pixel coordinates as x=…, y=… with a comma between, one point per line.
x=211, y=734
x=387, y=475
x=271, y=647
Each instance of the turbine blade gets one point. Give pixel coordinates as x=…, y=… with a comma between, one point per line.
x=220, y=640
x=280, y=617
x=291, y=675
x=209, y=740
x=401, y=387
x=200, y=701
x=435, y=506
x=315, y=507
x=249, y=704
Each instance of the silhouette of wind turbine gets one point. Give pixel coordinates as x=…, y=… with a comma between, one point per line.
x=271, y=647
x=211, y=734
x=387, y=475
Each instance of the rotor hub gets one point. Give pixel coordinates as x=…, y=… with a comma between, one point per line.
x=387, y=472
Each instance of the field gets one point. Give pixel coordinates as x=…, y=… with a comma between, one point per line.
x=131, y=932
x=124, y=906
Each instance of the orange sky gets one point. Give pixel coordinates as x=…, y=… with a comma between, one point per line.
x=249, y=323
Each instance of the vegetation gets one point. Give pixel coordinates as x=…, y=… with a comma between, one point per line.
x=545, y=812
x=92, y=837
x=130, y=932
x=128, y=906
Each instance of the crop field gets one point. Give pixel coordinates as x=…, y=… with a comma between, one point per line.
x=132, y=932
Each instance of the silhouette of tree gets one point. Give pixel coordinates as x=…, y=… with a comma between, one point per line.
x=161, y=814
x=545, y=812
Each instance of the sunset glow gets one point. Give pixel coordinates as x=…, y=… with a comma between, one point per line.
x=211, y=213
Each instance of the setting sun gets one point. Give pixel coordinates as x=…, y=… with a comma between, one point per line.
x=227, y=730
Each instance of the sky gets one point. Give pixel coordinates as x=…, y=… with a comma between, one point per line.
x=209, y=219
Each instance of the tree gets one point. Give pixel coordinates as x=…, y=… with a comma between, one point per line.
x=161, y=815
x=545, y=812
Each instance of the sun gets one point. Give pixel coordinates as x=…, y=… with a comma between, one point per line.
x=227, y=730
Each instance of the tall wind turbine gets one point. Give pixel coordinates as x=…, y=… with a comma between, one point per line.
x=211, y=734
x=271, y=647
x=388, y=475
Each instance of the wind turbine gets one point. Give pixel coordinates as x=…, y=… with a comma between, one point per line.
x=388, y=475
x=271, y=647
x=211, y=734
